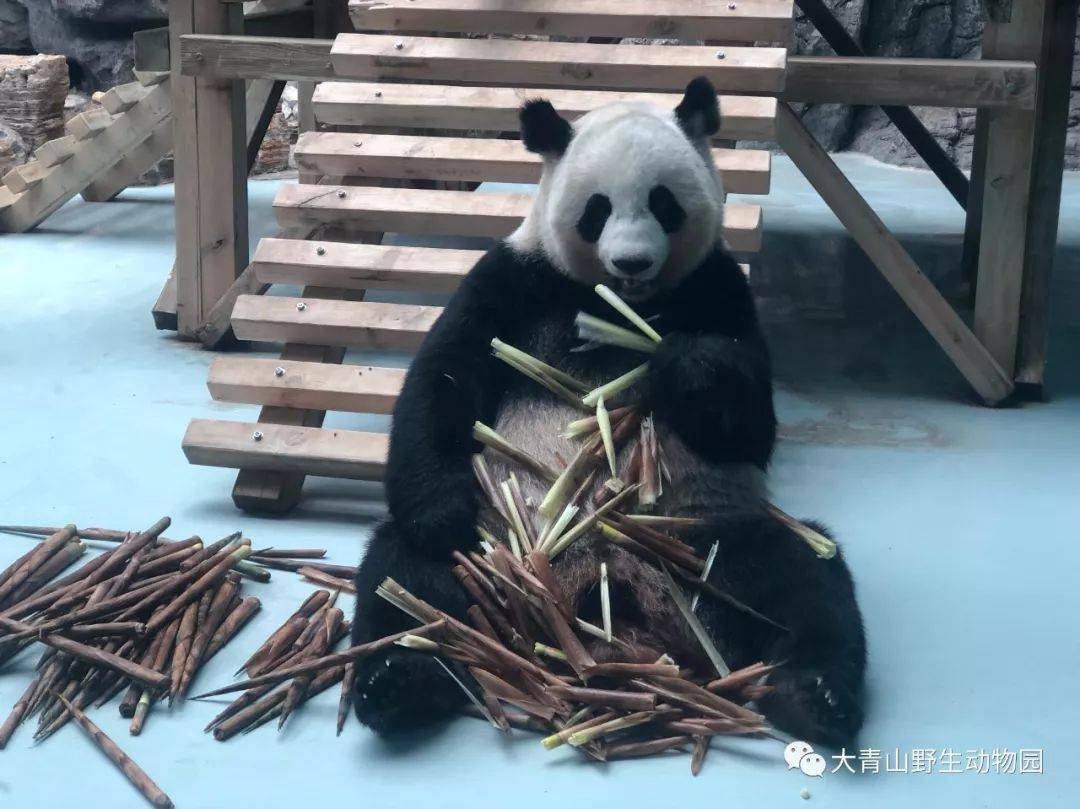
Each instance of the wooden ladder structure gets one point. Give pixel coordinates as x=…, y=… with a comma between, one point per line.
x=383, y=173
x=104, y=151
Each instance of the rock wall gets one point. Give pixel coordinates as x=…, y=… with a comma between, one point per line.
x=32, y=93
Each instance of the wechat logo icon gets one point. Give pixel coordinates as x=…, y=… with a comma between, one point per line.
x=800, y=755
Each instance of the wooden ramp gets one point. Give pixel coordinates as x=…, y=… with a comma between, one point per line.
x=105, y=150
x=387, y=174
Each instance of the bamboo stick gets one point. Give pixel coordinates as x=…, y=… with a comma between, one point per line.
x=132, y=771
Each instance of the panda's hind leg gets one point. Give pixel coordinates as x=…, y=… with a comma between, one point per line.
x=400, y=689
x=816, y=689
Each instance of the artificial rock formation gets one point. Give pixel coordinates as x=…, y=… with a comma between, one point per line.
x=32, y=93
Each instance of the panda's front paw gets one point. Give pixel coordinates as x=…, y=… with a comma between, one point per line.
x=401, y=690
x=812, y=705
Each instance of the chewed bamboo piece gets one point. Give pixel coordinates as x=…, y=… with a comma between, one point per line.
x=824, y=547
x=626, y=311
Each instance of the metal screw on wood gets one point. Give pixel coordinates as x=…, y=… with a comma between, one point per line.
x=720, y=54
x=378, y=94
x=399, y=45
x=341, y=195
x=732, y=6
x=300, y=307
x=320, y=251
x=256, y=436
x=279, y=371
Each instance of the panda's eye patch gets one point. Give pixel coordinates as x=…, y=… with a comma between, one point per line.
x=666, y=209
x=596, y=213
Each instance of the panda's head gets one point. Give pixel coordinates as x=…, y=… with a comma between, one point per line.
x=629, y=195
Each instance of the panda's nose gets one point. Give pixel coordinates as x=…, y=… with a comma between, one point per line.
x=633, y=265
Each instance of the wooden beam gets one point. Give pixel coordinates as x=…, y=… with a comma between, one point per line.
x=91, y=159
x=350, y=154
x=361, y=266
x=305, y=385
x=869, y=232
x=721, y=20
x=22, y=178
x=1003, y=244
x=135, y=164
x=287, y=448
x=122, y=97
x=920, y=139
x=449, y=106
x=871, y=80
x=911, y=82
x=89, y=124
x=461, y=213
x=532, y=63
x=217, y=324
x=1056, y=66
x=211, y=170
x=164, y=309
x=393, y=326
x=56, y=151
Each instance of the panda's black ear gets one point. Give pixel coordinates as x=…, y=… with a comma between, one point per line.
x=699, y=111
x=543, y=130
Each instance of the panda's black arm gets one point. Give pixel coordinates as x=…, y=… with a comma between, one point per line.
x=711, y=378
x=452, y=382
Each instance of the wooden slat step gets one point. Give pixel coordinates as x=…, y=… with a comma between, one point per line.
x=88, y=124
x=742, y=21
x=365, y=324
x=361, y=266
x=347, y=154
x=449, y=106
x=56, y=151
x=123, y=97
x=305, y=385
x=364, y=266
x=461, y=213
x=22, y=178
x=557, y=64
x=311, y=450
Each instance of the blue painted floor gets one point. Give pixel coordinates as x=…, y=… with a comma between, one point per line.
x=960, y=525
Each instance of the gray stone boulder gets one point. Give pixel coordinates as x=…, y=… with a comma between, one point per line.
x=14, y=27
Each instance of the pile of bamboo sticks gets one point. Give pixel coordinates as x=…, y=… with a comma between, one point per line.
x=314, y=629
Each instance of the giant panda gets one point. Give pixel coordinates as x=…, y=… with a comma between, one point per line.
x=630, y=197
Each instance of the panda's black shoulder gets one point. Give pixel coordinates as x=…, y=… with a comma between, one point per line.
x=716, y=295
x=507, y=277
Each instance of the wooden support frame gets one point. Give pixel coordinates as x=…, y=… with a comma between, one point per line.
x=1006, y=187
x=973, y=360
x=211, y=169
x=981, y=83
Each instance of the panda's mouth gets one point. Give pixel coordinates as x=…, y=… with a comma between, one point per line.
x=633, y=288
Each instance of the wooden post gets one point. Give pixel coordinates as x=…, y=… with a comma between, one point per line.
x=211, y=168
x=1006, y=189
x=1055, y=75
x=889, y=256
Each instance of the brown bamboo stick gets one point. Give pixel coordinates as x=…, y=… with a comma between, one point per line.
x=339, y=659
x=56, y=564
x=235, y=621
x=650, y=747
x=215, y=614
x=290, y=553
x=134, y=773
x=346, y=698
x=39, y=556
x=18, y=712
x=619, y=700
x=196, y=588
x=184, y=638
x=318, y=646
x=314, y=574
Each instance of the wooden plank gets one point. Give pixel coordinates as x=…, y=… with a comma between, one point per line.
x=871, y=80
x=744, y=21
x=462, y=213
x=122, y=97
x=392, y=326
x=89, y=124
x=866, y=228
x=134, y=165
x=911, y=82
x=1054, y=86
x=361, y=266
x=164, y=309
x=56, y=151
x=348, y=154
x=211, y=172
x=285, y=448
x=309, y=385
x=217, y=323
x=556, y=64
x=148, y=78
x=92, y=159
x=24, y=177
x=448, y=106
x=1010, y=140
